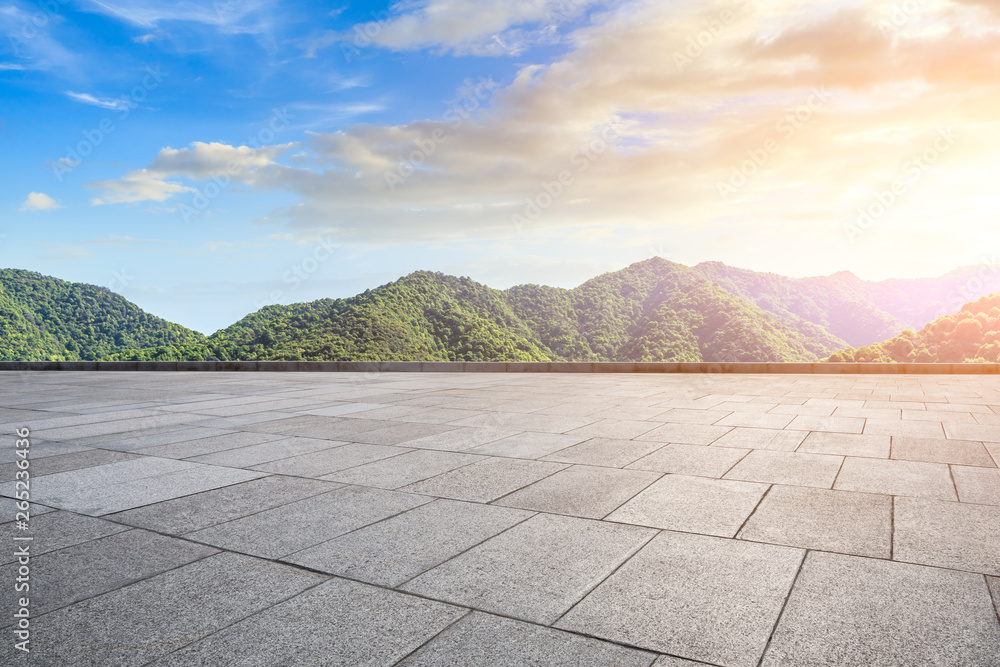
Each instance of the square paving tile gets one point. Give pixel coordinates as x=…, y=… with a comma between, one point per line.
x=697, y=597
x=284, y=530
x=127, y=627
x=201, y=510
x=828, y=424
x=85, y=458
x=394, y=551
x=902, y=428
x=408, y=468
x=219, y=443
x=60, y=530
x=961, y=536
x=484, y=640
x=614, y=428
x=396, y=433
x=762, y=438
x=686, y=434
x=896, y=478
x=692, y=416
x=977, y=485
x=535, y=571
x=841, y=521
x=610, y=452
x=696, y=460
x=940, y=450
x=485, y=481
x=337, y=623
x=528, y=445
x=461, y=439
x=693, y=504
x=768, y=467
x=846, y=444
x=244, y=457
x=846, y=610
x=60, y=578
x=756, y=420
x=982, y=432
x=585, y=491
x=327, y=461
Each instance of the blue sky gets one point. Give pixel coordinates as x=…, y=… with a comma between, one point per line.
x=205, y=159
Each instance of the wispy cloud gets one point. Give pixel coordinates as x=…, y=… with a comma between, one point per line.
x=57, y=252
x=102, y=102
x=39, y=201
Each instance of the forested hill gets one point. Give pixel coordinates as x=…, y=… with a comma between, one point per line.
x=970, y=335
x=43, y=318
x=654, y=310
x=651, y=311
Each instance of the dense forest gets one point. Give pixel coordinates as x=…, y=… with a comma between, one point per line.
x=654, y=310
x=970, y=335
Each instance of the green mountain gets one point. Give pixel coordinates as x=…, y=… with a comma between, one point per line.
x=970, y=335
x=43, y=318
x=654, y=310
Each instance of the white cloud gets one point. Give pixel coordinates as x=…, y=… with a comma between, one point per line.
x=234, y=16
x=477, y=27
x=104, y=103
x=39, y=201
x=136, y=186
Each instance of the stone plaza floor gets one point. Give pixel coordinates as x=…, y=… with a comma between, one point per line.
x=503, y=519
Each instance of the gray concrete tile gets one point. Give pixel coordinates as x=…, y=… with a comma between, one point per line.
x=671, y=661
x=686, y=434
x=697, y=597
x=586, y=491
x=609, y=452
x=535, y=571
x=846, y=444
x=71, y=574
x=961, y=536
x=85, y=458
x=940, y=450
x=130, y=626
x=896, y=478
x=327, y=461
x=614, y=428
x=761, y=438
x=244, y=457
x=693, y=504
x=756, y=420
x=397, y=433
x=9, y=510
x=528, y=445
x=201, y=446
x=460, y=439
x=828, y=424
x=841, y=521
x=393, y=551
x=208, y=508
x=977, y=485
x=485, y=481
x=900, y=428
x=485, y=640
x=525, y=422
x=697, y=460
x=398, y=471
x=157, y=437
x=846, y=610
x=58, y=530
x=284, y=530
x=692, y=416
x=337, y=623
x=37, y=450
x=791, y=468
x=983, y=432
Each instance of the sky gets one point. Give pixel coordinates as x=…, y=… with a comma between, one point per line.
x=205, y=159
